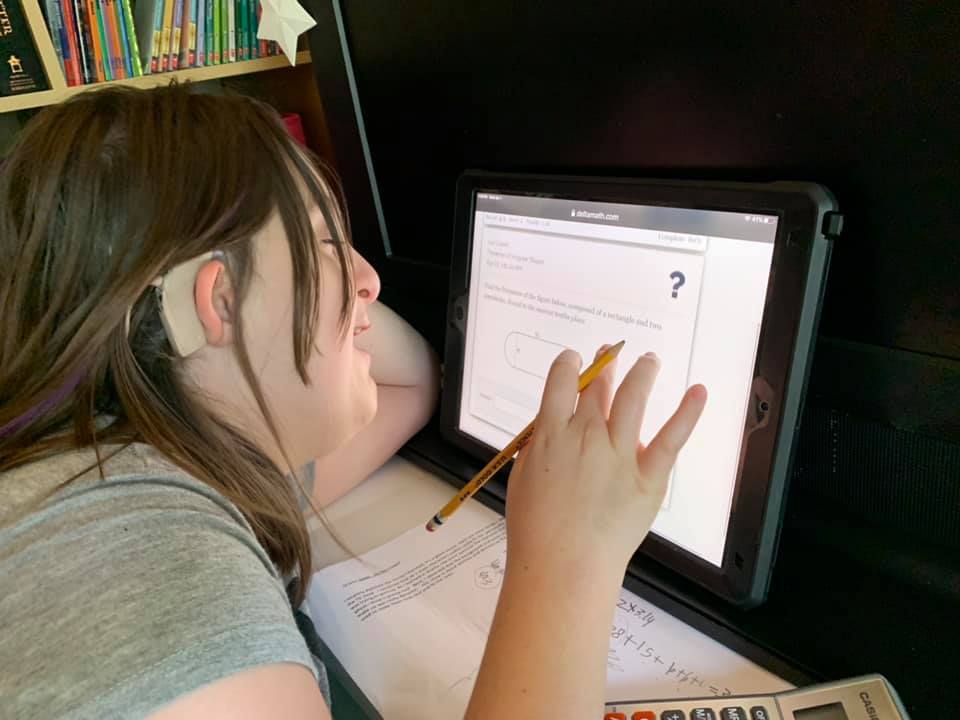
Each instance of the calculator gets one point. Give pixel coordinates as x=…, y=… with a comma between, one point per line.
x=869, y=697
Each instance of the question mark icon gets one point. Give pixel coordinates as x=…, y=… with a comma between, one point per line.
x=680, y=280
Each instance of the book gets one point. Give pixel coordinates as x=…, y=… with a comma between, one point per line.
x=133, y=45
x=71, y=52
x=194, y=29
x=68, y=14
x=231, y=30
x=157, y=39
x=175, y=32
x=125, y=54
x=108, y=11
x=88, y=63
x=144, y=22
x=164, y=51
x=183, y=50
x=251, y=8
x=240, y=17
x=92, y=17
x=214, y=21
x=263, y=44
x=55, y=24
x=201, y=57
x=20, y=68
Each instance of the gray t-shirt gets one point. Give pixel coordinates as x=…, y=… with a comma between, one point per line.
x=120, y=595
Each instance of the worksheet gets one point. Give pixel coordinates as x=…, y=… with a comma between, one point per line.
x=409, y=621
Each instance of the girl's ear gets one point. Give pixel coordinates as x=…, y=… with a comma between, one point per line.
x=214, y=297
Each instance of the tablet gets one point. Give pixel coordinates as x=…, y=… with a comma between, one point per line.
x=722, y=281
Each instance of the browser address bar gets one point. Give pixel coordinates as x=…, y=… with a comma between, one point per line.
x=688, y=242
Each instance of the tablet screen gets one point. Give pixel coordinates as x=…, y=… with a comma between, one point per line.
x=688, y=284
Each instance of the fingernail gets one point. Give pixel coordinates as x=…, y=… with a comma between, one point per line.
x=572, y=356
x=601, y=351
x=651, y=354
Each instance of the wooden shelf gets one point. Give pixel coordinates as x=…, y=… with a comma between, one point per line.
x=210, y=72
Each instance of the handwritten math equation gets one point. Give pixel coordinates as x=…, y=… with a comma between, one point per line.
x=622, y=640
x=634, y=610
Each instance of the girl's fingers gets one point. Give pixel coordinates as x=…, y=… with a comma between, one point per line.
x=560, y=392
x=597, y=397
x=631, y=402
x=660, y=455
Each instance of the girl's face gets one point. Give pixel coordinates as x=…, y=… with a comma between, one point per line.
x=341, y=397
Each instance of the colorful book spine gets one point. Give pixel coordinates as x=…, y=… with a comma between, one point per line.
x=96, y=36
x=109, y=52
x=201, y=56
x=21, y=70
x=231, y=30
x=157, y=39
x=175, y=35
x=238, y=16
x=215, y=43
x=192, y=44
x=164, y=55
x=224, y=29
x=71, y=53
x=250, y=6
x=264, y=46
x=55, y=25
x=109, y=12
x=73, y=41
x=104, y=35
x=145, y=22
x=88, y=63
x=133, y=45
x=125, y=59
x=181, y=49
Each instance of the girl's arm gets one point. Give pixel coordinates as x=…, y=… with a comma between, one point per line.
x=406, y=371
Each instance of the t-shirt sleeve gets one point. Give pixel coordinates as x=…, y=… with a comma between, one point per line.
x=147, y=589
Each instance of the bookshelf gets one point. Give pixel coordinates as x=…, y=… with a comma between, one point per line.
x=59, y=90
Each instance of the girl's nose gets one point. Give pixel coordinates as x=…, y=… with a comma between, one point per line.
x=365, y=277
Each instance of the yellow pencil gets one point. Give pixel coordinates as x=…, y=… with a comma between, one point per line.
x=513, y=447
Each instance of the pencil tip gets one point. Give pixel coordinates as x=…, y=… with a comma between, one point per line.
x=617, y=348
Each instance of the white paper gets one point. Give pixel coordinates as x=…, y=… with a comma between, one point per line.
x=409, y=621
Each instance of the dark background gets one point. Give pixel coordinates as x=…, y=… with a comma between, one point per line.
x=861, y=97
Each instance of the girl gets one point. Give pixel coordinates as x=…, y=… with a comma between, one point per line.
x=183, y=326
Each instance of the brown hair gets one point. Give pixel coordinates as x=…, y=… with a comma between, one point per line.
x=99, y=196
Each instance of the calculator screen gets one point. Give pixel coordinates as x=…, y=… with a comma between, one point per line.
x=833, y=711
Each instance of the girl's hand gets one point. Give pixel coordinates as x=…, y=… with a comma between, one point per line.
x=584, y=492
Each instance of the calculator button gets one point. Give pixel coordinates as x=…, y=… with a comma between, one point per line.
x=672, y=715
x=759, y=713
x=614, y=716
x=733, y=713
x=643, y=715
x=702, y=714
